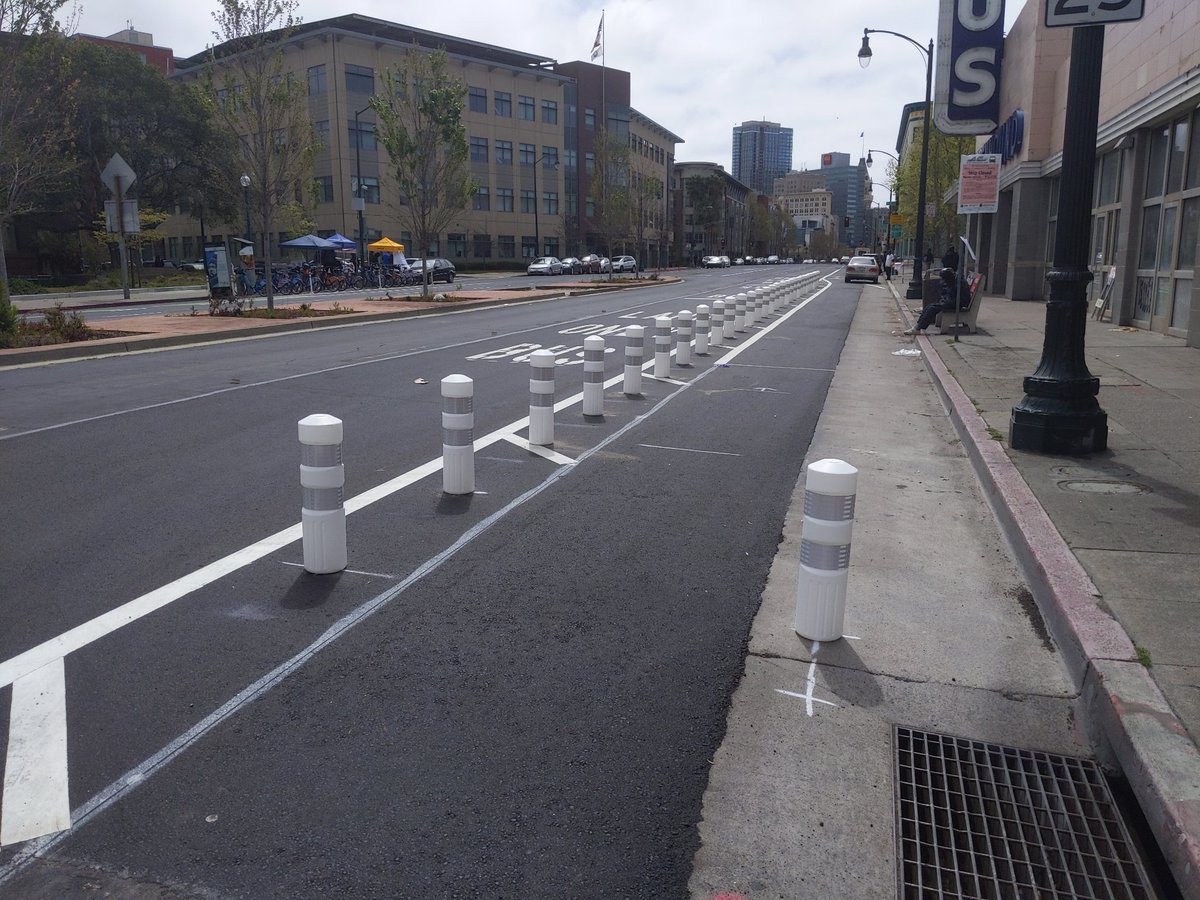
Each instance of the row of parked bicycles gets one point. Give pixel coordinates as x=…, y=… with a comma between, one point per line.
x=310, y=279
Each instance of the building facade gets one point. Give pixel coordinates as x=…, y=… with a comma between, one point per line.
x=531, y=126
x=1145, y=234
x=762, y=152
x=710, y=222
x=850, y=189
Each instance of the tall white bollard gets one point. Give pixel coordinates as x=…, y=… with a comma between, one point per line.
x=635, y=336
x=541, y=398
x=829, y=493
x=683, y=343
x=739, y=314
x=730, y=316
x=322, y=478
x=753, y=307
x=718, y=323
x=703, y=327
x=662, y=346
x=593, y=376
x=458, y=435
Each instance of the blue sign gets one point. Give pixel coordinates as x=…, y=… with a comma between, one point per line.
x=1008, y=139
x=969, y=52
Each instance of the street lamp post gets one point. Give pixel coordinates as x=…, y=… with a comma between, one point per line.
x=360, y=202
x=887, y=234
x=915, y=290
x=244, y=181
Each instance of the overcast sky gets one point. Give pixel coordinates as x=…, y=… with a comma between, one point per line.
x=698, y=67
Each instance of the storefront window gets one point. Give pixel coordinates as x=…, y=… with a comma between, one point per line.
x=1179, y=144
x=1149, y=244
x=1181, y=309
x=1193, y=169
x=1189, y=233
x=1167, y=238
x=1109, y=183
x=1157, y=165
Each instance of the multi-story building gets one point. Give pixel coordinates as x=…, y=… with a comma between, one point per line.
x=709, y=223
x=1145, y=236
x=762, y=152
x=531, y=125
x=802, y=195
x=850, y=186
x=797, y=183
x=140, y=43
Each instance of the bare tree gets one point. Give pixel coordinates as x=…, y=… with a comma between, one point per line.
x=612, y=190
x=421, y=128
x=36, y=105
x=261, y=102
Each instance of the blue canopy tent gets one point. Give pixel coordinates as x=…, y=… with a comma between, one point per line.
x=343, y=242
x=310, y=241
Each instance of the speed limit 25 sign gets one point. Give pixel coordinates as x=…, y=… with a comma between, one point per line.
x=1061, y=13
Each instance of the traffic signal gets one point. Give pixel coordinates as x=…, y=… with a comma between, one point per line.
x=845, y=221
x=722, y=243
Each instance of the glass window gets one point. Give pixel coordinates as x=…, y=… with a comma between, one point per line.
x=481, y=246
x=571, y=159
x=589, y=163
x=479, y=149
x=370, y=188
x=362, y=135
x=525, y=154
x=528, y=246
x=322, y=129
x=525, y=108
x=1181, y=308
x=477, y=99
x=504, y=200
x=1156, y=166
x=504, y=153
x=360, y=79
x=572, y=204
x=316, y=80
x=550, y=203
x=482, y=199
x=549, y=157
x=589, y=118
x=1189, y=234
x=550, y=112
x=503, y=103
x=324, y=188
x=1179, y=144
x=506, y=245
x=457, y=245
x=1149, y=244
x=1167, y=238
x=1193, y=169
x=1109, y=184
x=527, y=202
x=589, y=206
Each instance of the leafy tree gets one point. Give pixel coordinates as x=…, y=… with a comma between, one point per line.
x=942, y=173
x=421, y=128
x=706, y=197
x=259, y=102
x=612, y=190
x=649, y=200
x=36, y=102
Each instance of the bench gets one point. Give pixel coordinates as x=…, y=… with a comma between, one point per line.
x=967, y=315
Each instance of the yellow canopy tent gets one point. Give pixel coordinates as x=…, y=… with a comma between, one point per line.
x=385, y=245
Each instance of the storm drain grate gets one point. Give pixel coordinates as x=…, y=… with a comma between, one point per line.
x=989, y=821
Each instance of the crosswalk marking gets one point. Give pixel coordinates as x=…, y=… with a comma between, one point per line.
x=35, y=769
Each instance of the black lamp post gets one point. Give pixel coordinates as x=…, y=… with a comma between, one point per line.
x=537, y=234
x=360, y=202
x=244, y=181
x=915, y=290
x=1060, y=413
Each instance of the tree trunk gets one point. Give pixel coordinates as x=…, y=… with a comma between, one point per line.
x=5, y=299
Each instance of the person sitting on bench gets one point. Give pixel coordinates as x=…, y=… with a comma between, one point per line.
x=946, y=304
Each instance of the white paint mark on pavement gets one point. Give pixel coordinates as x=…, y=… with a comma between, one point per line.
x=35, y=770
x=688, y=450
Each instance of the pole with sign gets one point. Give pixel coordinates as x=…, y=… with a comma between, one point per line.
x=978, y=192
x=118, y=177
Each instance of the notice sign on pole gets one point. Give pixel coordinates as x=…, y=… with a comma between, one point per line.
x=978, y=183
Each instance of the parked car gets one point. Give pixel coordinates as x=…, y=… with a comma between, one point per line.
x=862, y=268
x=624, y=264
x=605, y=264
x=737, y=261
x=772, y=260
x=590, y=263
x=545, y=265
x=571, y=265
x=725, y=262
x=197, y=266
x=436, y=269
x=712, y=262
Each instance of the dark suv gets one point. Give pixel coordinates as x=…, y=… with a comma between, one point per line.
x=436, y=269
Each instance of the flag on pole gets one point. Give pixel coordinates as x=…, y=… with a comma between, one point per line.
x=598, y=46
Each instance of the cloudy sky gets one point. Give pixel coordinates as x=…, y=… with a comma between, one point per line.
x=698, y=67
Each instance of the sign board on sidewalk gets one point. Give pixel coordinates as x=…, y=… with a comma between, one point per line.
x=117, y=168
x=1068, y=13
x=978, y=183
x=970, y=48
x=129, y=213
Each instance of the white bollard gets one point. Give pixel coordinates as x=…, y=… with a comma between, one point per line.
x=730, y=316
x=829, y=493
x=718, y=323
x=662, y=346
x=739, y=314
x=635, y=335
x=541, y=398
x=683, y=344
x=458, y=435
x=322, y=478
x=593, y=376
x=702, y=330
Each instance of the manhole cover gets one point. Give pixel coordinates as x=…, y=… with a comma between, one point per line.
x=1104, y=487
x=989, y=821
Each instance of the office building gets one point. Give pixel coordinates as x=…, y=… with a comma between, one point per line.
x=762, y=152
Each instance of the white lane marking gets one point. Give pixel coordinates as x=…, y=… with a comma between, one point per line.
x=35, y=800
x=689, y=450
x=788, y=368
x=545, y=452
x=109, y=795
x=296, y=565
x=666, y=380
x=808, y=700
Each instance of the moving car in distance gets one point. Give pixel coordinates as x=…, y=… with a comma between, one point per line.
x=862, y=268
x=712, y=262
x=545, y=265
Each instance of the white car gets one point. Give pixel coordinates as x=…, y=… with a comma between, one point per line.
x=862, y=268
x=712, y=262
x=545, y=265
x=624, y=264
x=725, y=261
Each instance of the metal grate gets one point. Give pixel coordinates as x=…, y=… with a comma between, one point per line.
x=988, y=821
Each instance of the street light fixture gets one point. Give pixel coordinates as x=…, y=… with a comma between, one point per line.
x=915, y=290
x=244, y=181
x=360, y=202
x=537, y=234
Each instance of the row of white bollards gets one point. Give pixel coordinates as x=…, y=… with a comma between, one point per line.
x=323, y=474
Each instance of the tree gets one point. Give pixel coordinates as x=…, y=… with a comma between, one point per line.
x=612, y=190
x=260, y=103
x=706, y=197
x=942, y=227
x=421, y=128
x=650, y=210
x=36, y=103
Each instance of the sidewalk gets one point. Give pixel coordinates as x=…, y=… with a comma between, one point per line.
x=943, y=632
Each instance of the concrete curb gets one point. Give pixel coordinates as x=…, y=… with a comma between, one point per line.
x=1127, y=715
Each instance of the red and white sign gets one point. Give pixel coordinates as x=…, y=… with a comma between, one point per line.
x=978, y=183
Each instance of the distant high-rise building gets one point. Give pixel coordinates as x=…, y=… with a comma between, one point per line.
x=850, y=187
x=762, y=152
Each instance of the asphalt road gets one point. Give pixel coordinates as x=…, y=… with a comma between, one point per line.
x=513, y=694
